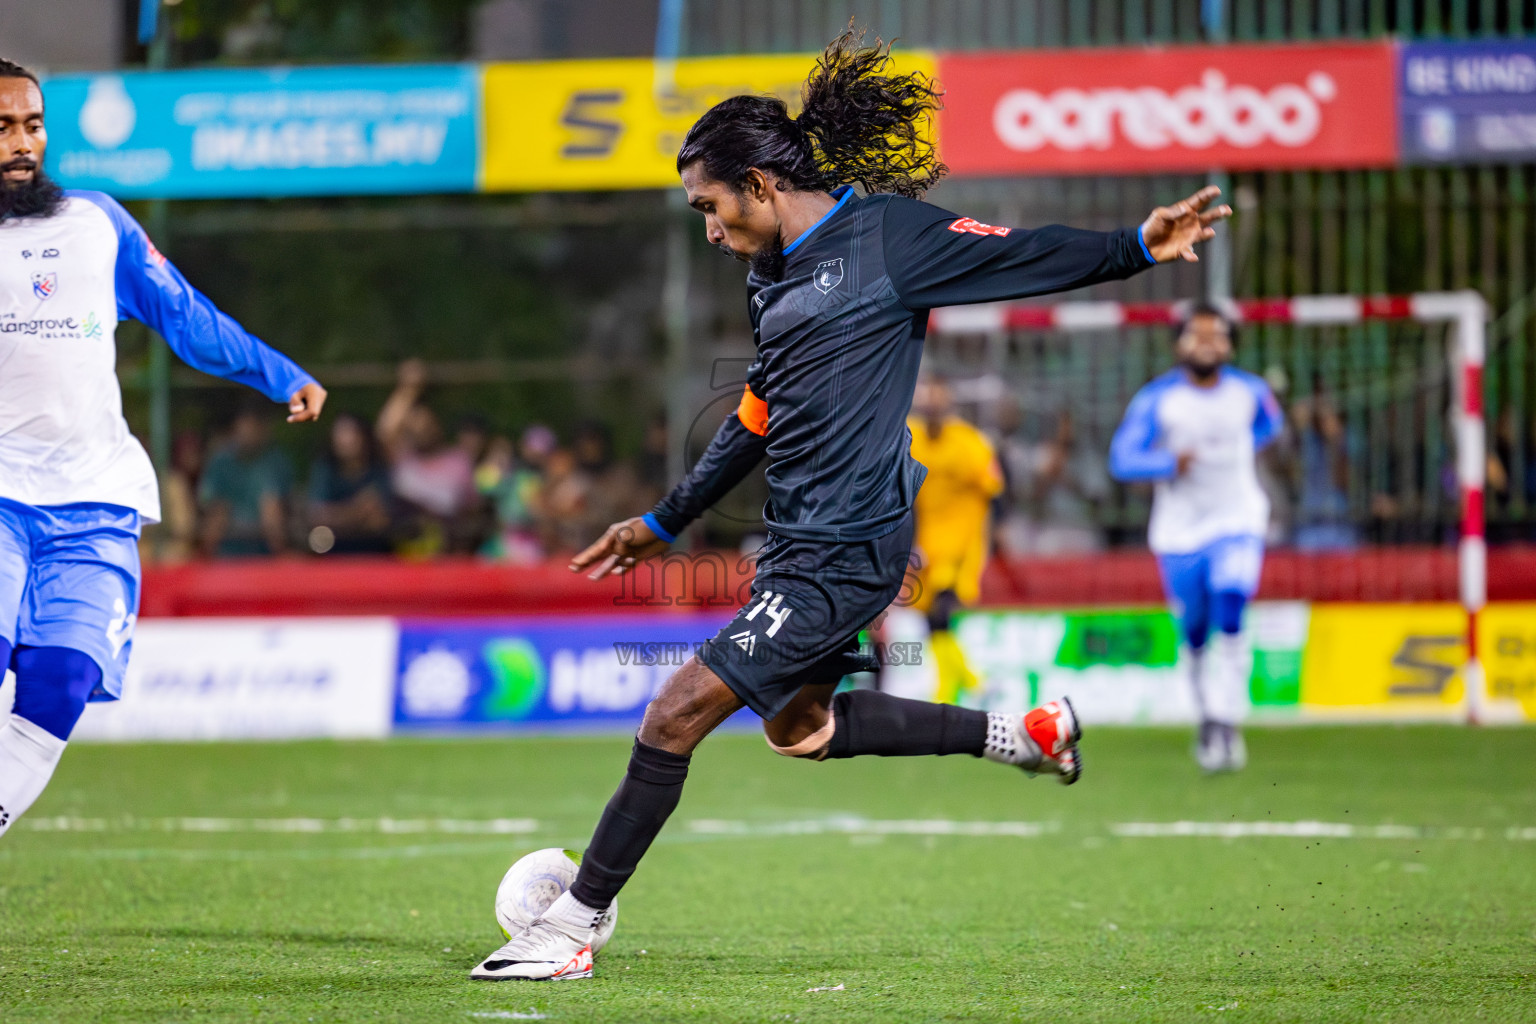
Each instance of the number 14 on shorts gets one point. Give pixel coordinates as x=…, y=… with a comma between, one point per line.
x=772, y=605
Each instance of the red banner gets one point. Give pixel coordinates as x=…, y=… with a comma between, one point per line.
x=1176, y=109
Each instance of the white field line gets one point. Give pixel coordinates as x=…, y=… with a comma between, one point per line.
x=384, y=826
x=719, y=828
x=852, y=826
x=1306, y=830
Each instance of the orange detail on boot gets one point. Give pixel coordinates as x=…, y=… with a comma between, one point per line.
x=1047, y=726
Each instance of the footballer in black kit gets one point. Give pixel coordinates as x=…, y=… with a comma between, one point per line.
x=839, y=292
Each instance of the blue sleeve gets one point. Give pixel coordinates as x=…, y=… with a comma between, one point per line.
x=151, y=290
x=1268, y=419
x=1133, y=454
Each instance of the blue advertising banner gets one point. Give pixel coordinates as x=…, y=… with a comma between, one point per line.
x=594, y=671
x=1468, y=102
x=273, y=132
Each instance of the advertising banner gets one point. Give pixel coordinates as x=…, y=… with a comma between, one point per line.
x=1506, y=643
x=1468, y=101
x=1392, y=660
x=585, y=671
x=617, y=124
x=276, y=132
x=1148, y=110
x=226, y=679
x=1119, y=666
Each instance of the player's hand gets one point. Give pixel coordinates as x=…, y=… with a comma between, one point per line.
x=1171, y=232
x=306, y=403
x=619, y=548
x=1185, y=460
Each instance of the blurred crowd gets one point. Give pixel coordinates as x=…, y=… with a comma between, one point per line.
x=402, y=484
x=405, y=484
x=1328, y=490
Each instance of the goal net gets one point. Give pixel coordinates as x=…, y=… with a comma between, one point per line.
x=1383, y=463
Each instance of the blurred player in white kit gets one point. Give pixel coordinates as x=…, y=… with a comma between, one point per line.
x=75, y=486
x=1195, y=432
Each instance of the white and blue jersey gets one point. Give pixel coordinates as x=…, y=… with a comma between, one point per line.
x=75, y=484
x=1208, y=523
x=1222, y=427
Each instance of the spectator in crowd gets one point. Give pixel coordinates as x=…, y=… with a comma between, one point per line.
x=176, y=538
x=433, y=479
x=563, y=503
x=1323, y=520
x=244, y=491
x=612, y=486
x=349, y=493
x=512, y=482
x=1054, y=489
x=654, y=468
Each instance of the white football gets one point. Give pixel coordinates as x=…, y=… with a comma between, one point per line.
x=536, y=881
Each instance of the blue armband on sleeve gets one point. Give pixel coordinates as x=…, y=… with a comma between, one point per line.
x=650, y=520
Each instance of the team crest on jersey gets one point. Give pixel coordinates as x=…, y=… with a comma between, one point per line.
x=44, y=285
x=828, y=275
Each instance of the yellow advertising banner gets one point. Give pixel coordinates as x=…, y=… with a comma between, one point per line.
x=1398, y=660
x=616, y=124
x=1506, y=644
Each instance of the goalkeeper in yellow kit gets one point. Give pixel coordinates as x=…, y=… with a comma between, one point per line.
x=953, y=519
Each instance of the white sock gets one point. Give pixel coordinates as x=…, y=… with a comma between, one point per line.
x=1228, y=694
x=572, y=916
x=1007, y=742
x=28, y=755
x=1197, y=682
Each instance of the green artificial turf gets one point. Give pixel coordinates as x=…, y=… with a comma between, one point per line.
x=124, y=912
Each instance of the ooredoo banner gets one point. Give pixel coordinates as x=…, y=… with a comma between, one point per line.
x=1169, y=109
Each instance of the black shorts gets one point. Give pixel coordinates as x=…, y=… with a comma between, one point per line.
x=809, y=601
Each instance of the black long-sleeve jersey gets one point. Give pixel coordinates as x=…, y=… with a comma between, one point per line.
x=839, y=340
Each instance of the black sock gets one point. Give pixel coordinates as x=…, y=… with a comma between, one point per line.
x=869, y=722
x=639, y=807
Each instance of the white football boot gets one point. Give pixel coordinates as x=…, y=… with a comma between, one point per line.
x=1210, y=751
x=1237, y=750
x=556, y=947
x=1043, y=740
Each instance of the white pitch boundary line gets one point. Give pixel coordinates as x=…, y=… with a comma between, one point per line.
x=853, y=826
x=384, y=826
x=1304, y=830
x=834, y=825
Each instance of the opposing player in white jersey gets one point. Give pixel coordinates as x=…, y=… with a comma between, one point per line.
x=75, y=486
x=1195, y=432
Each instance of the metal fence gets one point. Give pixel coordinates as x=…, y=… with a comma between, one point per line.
x=1296, y=232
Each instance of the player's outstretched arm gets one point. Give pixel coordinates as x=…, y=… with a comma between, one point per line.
x=619, y=548
x=937, y=259
x=1134, y=454
x=151, y=290
x=1172, y=232
x=737, y=447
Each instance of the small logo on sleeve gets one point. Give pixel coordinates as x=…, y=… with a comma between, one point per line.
x=970, y=226
x=44, y=285
x=828, y=275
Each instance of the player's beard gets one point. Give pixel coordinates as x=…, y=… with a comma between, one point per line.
x=1202, y=371
x=767, y=263
x=39, y=197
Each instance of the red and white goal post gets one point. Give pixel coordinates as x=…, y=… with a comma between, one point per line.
x=1464, y=311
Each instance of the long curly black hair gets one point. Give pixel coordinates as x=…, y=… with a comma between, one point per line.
x=859, y=125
